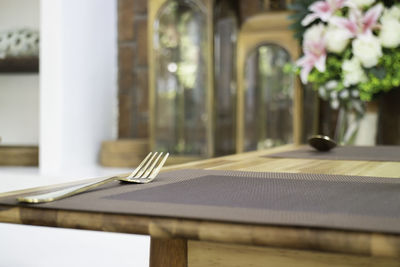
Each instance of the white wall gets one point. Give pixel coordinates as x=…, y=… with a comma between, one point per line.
x=78, y=92
x=19, y=109
x=19, y=93
x=19, y=13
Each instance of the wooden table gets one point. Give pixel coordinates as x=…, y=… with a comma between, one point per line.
x=185, y=242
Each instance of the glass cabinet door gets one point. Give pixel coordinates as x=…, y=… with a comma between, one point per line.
x=268, y=98
x=269, y=101
x=180, y=80
x=225, y=39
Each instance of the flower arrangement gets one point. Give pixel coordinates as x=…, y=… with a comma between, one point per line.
x=351, y=48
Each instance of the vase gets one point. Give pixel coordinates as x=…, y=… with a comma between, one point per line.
x=368, y=125
x=377, y=124
x=347, y=125
x=357, y=126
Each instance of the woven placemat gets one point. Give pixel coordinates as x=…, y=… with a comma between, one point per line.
x=290, y=199
x=363, y=153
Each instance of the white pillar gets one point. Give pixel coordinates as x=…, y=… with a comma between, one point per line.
x=78, y=83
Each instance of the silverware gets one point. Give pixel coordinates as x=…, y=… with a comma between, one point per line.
x=143, y=174
x=321, y=142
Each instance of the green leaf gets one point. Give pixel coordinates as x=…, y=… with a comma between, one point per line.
x=296, y=6
x=297, y=16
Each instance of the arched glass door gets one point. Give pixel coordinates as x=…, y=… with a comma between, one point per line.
x=268, y=98
x=181, y=75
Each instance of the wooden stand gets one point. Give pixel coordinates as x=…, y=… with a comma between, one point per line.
x=19, y=156
x=16, y=64
x=123, y=152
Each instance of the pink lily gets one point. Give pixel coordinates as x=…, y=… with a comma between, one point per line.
x=323, y=10
x=314, y=56
x=358, y=24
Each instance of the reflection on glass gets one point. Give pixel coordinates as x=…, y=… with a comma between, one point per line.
x=225, y=36
x=311, y=114
x=269, y=90
x=180, y=43
x=277, y=4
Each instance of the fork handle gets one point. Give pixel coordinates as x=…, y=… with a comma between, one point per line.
x=66, y=192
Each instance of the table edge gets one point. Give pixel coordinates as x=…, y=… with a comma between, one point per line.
x=300, y=238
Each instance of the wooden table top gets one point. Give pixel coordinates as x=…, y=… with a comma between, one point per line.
x=338, y=241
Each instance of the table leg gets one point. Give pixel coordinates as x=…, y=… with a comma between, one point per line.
x=168, y=252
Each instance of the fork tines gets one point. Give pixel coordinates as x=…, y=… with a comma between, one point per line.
x=148, y=168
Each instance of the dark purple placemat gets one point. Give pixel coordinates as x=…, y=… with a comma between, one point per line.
x=364, y=153
x=291, y=199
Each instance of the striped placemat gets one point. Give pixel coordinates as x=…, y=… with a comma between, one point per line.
x=289, y=199
x=363, y=153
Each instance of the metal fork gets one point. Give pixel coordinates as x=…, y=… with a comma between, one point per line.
x=143, y=174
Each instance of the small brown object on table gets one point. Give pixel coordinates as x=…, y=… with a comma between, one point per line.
x=177, y=241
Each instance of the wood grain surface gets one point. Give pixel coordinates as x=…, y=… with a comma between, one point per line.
x=168, y=252
x=209, y=254
x=366, y=244
x=123, y=152
x=19, y=155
